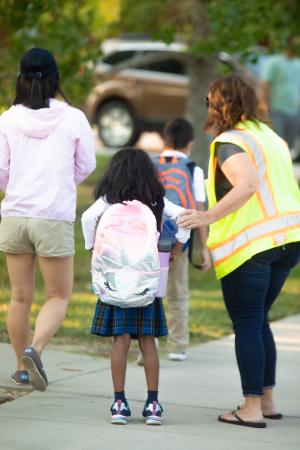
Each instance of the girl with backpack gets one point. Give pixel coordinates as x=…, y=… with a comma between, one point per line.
x=130, y=182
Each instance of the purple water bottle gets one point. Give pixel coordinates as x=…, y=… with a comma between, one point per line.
x=164, y=250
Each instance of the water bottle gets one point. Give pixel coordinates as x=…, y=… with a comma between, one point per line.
x=164, y=250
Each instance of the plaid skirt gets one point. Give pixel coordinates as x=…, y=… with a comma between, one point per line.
x=110, y=320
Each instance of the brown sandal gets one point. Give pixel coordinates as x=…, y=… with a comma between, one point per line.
x=243, y=423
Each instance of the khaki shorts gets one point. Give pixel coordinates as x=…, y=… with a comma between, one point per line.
x=44, y=237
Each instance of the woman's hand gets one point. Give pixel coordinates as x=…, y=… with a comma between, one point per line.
x=191, y=218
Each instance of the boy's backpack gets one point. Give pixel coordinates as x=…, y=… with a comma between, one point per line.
x=125, y=262
x=176, y=174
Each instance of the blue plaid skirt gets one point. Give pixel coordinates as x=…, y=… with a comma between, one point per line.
x=111, y=320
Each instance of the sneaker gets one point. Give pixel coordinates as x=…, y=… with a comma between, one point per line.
x=37, y=376
x=178, y=356
x=153, y=413
x=20, y=377
x=120, y=412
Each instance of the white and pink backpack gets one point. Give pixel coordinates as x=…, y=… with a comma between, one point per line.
x=125, y=262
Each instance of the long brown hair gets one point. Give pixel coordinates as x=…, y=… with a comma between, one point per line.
x=231, y=100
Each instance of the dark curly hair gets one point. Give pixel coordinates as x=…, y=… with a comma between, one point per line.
x=130, y=175
x=231, y=99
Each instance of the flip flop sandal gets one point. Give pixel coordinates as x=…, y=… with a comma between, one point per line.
x=37, y=376
x=277, y=416
x=20, y=377
x=243, y=423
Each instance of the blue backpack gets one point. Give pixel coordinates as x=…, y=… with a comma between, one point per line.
x=176, y=175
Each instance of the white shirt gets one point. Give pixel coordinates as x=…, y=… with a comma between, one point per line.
x=198, y=176
x=91, y=216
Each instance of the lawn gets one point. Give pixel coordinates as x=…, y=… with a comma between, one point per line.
x=208, y=318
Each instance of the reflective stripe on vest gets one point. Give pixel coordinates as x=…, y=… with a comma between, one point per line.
x=253, y=232
x=265, y=195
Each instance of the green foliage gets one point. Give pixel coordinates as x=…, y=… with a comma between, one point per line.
x=232, y=26
x=71, y=29
x=241, y=25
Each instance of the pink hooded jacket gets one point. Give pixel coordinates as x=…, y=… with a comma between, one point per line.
x=44, y=154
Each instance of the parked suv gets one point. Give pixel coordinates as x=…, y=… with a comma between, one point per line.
x=133, y=100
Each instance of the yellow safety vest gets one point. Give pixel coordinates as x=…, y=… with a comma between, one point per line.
x=271, y=217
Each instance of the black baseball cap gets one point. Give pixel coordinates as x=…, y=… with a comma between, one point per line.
x=38, y=63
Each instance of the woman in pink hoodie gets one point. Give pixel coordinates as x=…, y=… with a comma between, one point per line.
x=46, y=149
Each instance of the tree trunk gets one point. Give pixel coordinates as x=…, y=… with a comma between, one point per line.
x=201, y=72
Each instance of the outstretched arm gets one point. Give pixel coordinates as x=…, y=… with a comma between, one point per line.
x=242, y=174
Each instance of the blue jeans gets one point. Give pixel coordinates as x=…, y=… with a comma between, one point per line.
x=249, y=292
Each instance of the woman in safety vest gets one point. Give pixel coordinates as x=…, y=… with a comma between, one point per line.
x=254, y=238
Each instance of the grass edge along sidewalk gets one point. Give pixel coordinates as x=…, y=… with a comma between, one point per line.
x=208, y=317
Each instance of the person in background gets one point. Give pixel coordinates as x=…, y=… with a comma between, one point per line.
x=174, y=163
x=46, y=149
x=280, y=92
x=254, y=237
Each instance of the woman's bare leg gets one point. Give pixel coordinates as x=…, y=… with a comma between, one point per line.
x=267, y=402
x=21, y=269
x=57, y=274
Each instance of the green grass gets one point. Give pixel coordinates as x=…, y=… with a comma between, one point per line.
x=208, y=318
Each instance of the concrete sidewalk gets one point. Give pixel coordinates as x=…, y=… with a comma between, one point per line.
x=73, y=414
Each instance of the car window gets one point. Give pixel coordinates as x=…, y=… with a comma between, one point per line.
x=166, y=66
x=118, y=57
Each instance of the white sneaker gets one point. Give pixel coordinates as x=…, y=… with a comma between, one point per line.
x=178, y=356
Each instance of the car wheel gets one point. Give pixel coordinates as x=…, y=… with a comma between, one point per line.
x=117, y=125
